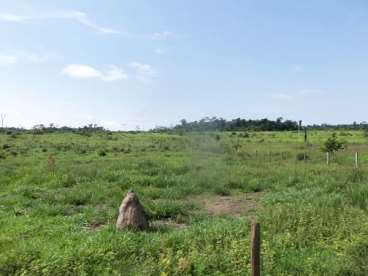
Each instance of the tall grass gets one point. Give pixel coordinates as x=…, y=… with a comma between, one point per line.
x=58, y=219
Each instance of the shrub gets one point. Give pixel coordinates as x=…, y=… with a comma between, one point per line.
x=6, y=146
x=301, y=156
x=222, y=191
x=332, y=145
x=101, y=153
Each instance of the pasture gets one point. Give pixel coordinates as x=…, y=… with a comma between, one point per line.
x=60, y=193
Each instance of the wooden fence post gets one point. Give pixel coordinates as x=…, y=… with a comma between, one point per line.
x=356, y=160
x=327, y=158
x=256, y=249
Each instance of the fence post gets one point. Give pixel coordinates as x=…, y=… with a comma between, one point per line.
x=256, y=249
x=356, y=160
x=327, y=158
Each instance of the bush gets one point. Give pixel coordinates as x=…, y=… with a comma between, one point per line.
x=6, y=146
x=301, y=156
x=101, y=153
x=332, y=145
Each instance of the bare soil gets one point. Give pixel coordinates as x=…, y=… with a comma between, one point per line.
x=233, y=205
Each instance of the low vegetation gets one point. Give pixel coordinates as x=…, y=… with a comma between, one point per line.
x=60, y=193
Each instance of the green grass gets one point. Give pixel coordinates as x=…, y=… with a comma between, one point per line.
x=58, y=219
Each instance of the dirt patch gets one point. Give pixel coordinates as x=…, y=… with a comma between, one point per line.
x=235, y=205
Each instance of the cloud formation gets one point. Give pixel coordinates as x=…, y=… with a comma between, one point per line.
x=34, y=58
x=81, y=71
x=81, y=18
x=143, y=71
x=7, y=59
x=15, y=57
x=76, y=16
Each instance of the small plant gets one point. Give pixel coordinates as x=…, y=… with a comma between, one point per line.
x=332, y=145
x=101, y=153
x=365, y=132
x=222, y=191
x=301, y=156
x=6, y=146
x=237, y=147
x=51, y=164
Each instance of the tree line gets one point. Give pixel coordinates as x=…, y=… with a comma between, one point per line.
x=205, y=124
x=239, y=124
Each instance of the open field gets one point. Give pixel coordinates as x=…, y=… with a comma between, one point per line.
x=60, y=193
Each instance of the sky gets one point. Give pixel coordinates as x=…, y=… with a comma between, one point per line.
x=144, y=63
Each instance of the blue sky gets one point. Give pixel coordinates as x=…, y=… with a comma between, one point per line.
x=123, y=64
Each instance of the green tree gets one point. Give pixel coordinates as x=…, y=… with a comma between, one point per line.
x=332, y=144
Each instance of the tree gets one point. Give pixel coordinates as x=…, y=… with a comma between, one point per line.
x=332, y=145
x=183, y=122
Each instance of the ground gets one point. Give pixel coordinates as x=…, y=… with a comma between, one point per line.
x=231, y=205
x=60, y=194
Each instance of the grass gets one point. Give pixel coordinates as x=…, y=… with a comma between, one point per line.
x=59, y=196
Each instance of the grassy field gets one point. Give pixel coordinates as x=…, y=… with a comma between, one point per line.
x=60, y=193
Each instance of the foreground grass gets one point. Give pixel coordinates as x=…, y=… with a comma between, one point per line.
x=59, y=195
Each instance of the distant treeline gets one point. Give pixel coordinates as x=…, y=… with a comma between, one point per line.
x=220, y=124
x=205, y=124
x=43, y=129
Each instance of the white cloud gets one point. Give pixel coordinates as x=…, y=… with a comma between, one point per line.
x=34, y=58
x=281, y=96
x=143, y=71
x=7, y=59
x=77, y=16
x=81, y=71
x=162, y=35
x=18, y=56
x=114, y=73
x=13, y=18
